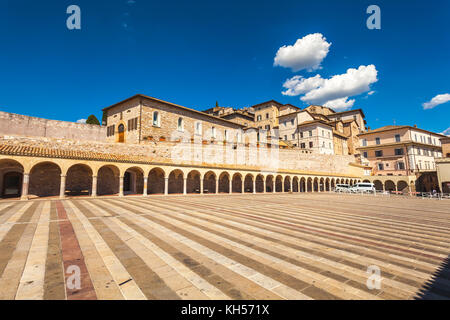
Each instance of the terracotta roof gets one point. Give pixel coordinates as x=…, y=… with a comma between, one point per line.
x=313, y=121
x=392, y=127
x=273, y=101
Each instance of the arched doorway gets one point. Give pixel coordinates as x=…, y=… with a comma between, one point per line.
x=108, y=180
x=259, y=183
x=176, y=181
x=237, y=183
x=302, y=185
x=45, y=180
x=224, y=182
x=79, y=180
x=269, y=183
x=287, y=184
x=279, y=184
x=209, y=182
x=248, y=183
x=403, y=186
x=11, y=176
x=316, y=185
x=133, y=181
x=193, y=182
x=333, y=185
x=295, y=184
x=327, y=184
x=155, y=181
x=389, y=185
x=309, y=185
x=121, y=133
x=378, y=185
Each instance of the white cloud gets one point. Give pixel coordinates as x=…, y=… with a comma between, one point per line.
x=370, y=93
x=336, y=89
x=446, y=132
x=307, y=53
x=340, y=104
x=81, y=121
x=437, y=100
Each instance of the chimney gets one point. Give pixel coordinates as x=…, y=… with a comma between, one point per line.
x=415, y=126
x=368, y=128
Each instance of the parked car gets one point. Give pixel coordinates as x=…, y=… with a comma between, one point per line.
x=342, y=188
x=363, y=187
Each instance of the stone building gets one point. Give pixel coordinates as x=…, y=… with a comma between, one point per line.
x=402, y=151
x=443, y=166
x=150, y=146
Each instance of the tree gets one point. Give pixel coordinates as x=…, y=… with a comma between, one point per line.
x=92, y=120
x=104, y=118
x=217, y=104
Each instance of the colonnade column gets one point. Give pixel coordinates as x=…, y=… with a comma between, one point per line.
x=217, y=186
x=243, y=186
x=230, y=186
x=25, y=184
x=94, y=186
x=166, y=186
x=62, y=186
x=201, y=185
x=274, y=184
x=121, y=186
x=184, y=185
x=145, y=193
x=264, y=186
x=254, y=185
x=282, y=186
x=290, y=185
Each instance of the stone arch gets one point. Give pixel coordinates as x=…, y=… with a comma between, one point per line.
x=279, y=184
x=248, y=183
x=11, y=178
x=259, y=183
x=45, y=179
x=193, y=182
x=156, y=181
x=295, y=184
x=269, y=183
x=302, y=184
x=389, y=185
x=378, y=185
x=403, y=186
x=209, y=182
x=327, y=184
x=237, y=183
x=133, y=181
x=224, y=182
x=316, y=185
x=287, y=184
x=108, y=177
x=176, y=182
x=321, y=184
x=79, y=180
x=366, y=181
x=309, y=185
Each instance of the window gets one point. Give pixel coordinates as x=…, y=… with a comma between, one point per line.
x=377, y=140
x=198, y=128
x=380, y=166
x=226, y=135
x=310, y=133
x=397, y=138
x=399, y=152
x=258, y=118
x=132, y=124
x=365, y=154
x=302, y=145
x=213, y=132
x=110, y=131
x=180, y=124
x=311, y=144
x=301, y=134
x=267, y=126
x=293, y=136
x=415, y=137
x=401, y=166
x=238, y=137
x=292, y=122
x=429, y=140
x=323, y=144
x=323, y=133
x=379, y=153
x=329, y=144
x=285, y=137
x=329, y=134
x=267, y=116
x=156, y=119
x=364, y=142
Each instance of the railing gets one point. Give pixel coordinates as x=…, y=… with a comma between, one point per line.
x=422, y=195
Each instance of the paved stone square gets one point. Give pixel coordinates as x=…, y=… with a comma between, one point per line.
x=264, y=246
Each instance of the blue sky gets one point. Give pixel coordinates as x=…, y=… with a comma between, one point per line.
x=196, y=52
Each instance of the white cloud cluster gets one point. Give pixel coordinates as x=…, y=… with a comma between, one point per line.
x=307, y=53
x=446, y=132
x=437, y=100
x=335, y=91
x=81, y=121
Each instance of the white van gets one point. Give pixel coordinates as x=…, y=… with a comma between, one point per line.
x=363, y=187
x=342, y=188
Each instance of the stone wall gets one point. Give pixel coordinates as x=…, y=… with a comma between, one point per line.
x=216, y=155
x=16, y=124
